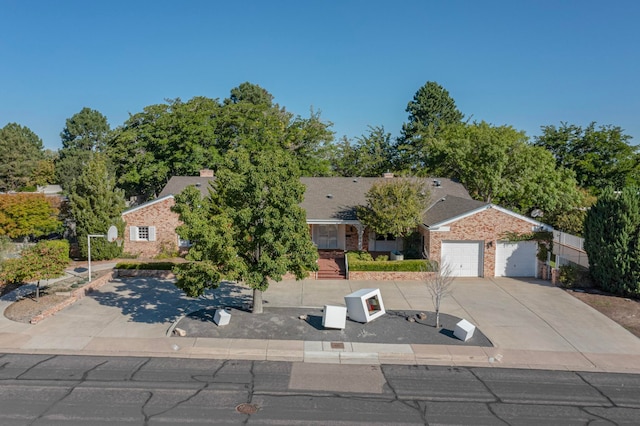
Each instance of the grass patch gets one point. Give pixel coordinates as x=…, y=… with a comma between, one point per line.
x=362, y=261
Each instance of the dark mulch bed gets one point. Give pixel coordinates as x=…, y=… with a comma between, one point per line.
x=285, y=324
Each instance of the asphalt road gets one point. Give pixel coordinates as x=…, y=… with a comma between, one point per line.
x=82, y=390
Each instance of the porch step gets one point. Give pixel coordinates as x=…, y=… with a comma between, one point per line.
x=332, y=268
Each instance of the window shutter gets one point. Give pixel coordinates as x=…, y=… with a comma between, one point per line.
x=133, y=233
x=152, y=233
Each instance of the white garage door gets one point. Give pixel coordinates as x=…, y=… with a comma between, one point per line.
x=516, y=259
x=463, y=257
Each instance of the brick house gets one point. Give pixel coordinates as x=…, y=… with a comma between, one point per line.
x=151, y=227
x=457, y=230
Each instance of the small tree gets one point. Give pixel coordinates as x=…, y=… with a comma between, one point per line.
x=394, y=206
x=44, y=261
x=439, y=286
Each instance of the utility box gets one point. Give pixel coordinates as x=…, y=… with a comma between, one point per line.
x=221, y=317
x=334, y=317
x=364, y=305
x=464, y=330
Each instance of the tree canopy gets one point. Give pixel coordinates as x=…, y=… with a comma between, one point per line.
x=394, y=206
x=181, y=138
x=251, y=228
x=20, y=151
x=371, y=155
x=43, y=261
x=26, y=215
x=600, y=156
x=496, y=164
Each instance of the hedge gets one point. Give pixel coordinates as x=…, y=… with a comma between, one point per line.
x=156, y=266
x=357, y=264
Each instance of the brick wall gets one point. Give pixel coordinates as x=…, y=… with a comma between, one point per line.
x=157, y=214
x=351, y=238
x=488, y=225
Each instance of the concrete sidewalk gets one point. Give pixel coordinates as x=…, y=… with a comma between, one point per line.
x=531, y=324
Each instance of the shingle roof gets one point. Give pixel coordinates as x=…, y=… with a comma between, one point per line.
x=178, y=183
x=449, y=207
x=336, y=198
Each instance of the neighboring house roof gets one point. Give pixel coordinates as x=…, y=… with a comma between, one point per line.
x=50, y=189
x=148, y=203
x=178, y=183
x=336, y=198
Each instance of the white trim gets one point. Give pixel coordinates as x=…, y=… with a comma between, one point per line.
x=440, y=229
x=152, y=233
x=332, y=222
x=133, y=233
x=539, y=225
x=149, y=203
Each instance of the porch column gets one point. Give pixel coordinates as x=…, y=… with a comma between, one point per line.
x=360, y=228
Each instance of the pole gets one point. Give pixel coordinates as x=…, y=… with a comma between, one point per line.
x=89, y=249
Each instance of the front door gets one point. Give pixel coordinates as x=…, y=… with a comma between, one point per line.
x=327, y=236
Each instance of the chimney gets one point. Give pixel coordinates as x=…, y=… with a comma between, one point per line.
x=206, y=173
x=387, y=175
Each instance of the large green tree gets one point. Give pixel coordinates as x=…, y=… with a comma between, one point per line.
x=20, y=152
x=431, y=109
x=600, y=156
x=84, y=134
x=496, y=164
x=173, y=139
x=181, y=138
x=95, y=203
x=252, y=228
x=612, y=241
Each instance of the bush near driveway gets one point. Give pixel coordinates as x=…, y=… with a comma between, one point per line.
x=362, y=261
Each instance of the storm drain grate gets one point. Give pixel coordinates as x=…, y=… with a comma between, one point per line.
x=247, y=408
x=337, y=345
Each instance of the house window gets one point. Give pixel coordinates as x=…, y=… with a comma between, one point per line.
x=382, y=237
x=142, y=233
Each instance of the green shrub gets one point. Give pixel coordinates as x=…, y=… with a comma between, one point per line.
x=356, y=263
x=154, y=266
x=382, y=258
x=568, y=276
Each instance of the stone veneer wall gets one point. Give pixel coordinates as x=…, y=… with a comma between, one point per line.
x=389, y=276
x=159, y=215
x=488, y=225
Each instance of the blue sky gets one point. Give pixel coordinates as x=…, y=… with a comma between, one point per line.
x=521, y=63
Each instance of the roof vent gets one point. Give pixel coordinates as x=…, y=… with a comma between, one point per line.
x=198, y=184
x=437, y=183
x=329, y=195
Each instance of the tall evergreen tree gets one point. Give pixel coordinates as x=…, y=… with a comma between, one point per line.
x=84, y=134
x=612, y=241
x=20, y=152
x=95, y=204
x=431, y=109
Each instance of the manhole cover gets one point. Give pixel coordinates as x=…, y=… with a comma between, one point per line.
x=246, y=408
x=337, y=345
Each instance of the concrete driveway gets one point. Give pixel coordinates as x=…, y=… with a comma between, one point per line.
x=522, y=314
